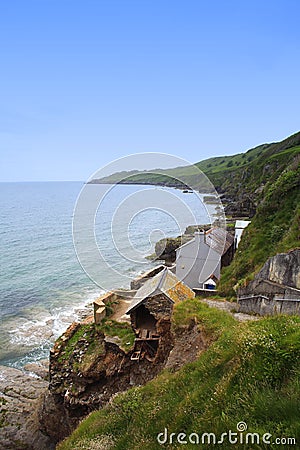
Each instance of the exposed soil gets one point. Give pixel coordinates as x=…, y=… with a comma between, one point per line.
x=120, y=310
x=189, y=343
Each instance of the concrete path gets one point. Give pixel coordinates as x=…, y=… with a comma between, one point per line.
x=229, y=307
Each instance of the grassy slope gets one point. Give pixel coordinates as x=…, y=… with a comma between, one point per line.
x=250, y=373
x=270, y=176
x=239, y=170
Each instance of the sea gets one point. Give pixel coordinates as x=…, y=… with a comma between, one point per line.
x=50, y=233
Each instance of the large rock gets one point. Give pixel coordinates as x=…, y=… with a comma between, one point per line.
x=279, y=276
x=283, y=268
x=275, y=289
x=20, y=400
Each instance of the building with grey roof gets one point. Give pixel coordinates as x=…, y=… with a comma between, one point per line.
x=199, y=261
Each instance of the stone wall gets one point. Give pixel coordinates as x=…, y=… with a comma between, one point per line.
x=110, y=298
x=159, y=306
x=268, y=307
x=268, y=289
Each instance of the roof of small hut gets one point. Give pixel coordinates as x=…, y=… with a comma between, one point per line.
x=165, y=282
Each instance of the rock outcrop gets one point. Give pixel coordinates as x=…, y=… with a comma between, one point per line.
x=276, y=288
x=21, y=398
x=279, y=275
x=165, y=249
x=283, y=269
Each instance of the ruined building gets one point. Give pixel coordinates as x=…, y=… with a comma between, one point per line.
x=150, y=312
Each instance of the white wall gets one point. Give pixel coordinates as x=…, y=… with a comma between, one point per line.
x=240, y=225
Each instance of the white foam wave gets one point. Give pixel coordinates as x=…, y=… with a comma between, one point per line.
x=46, y=326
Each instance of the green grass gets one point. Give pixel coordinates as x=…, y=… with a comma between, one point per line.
x=241, y=172
x=250, y=373
x=212, y=321
x=94, y=335
x=84, y=331
x=121, y=330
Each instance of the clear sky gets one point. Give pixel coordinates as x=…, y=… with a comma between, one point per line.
x=83, y=82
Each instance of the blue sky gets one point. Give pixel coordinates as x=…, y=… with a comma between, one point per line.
x=85, y=82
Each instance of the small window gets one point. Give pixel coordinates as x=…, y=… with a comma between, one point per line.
x=209, y=286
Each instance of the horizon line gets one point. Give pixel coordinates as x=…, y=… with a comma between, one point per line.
x=43, y=181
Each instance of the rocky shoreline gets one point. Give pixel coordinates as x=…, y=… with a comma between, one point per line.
x=23, y=394
x=21, y=398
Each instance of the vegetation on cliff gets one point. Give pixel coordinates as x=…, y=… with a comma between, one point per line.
x=236, y=174
x=249, y=373
x=275, y=228
x=81, y=350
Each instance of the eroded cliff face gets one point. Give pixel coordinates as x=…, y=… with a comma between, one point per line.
x=87, y=368
x=283, y=269
x=280, y=275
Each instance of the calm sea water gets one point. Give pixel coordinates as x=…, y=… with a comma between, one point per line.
x=42, y=285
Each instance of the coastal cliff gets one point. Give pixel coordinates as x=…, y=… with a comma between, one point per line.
x=91, y=364
x=240, y=179
x=216, y=369
x=262, y=184
x=88, y=367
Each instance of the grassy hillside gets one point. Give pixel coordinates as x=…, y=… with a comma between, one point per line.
x=258, y=167
x=268, y=177
x=231, y=173
x=250, y=373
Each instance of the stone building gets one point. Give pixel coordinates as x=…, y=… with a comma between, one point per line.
x=151, y=309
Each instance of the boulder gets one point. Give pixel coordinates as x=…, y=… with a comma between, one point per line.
x=21, y=396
